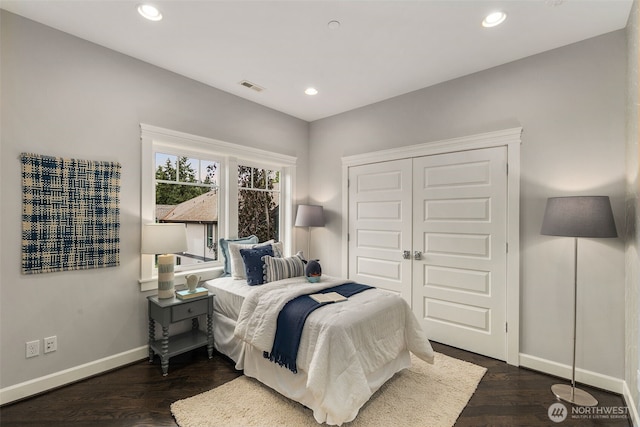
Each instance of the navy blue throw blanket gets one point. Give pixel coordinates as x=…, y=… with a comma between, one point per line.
x=291, y=321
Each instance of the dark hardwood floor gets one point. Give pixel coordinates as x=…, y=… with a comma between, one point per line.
x=510, y=396
x=138, y=395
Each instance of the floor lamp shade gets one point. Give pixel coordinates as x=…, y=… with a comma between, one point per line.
x=309, y=216
x=577, y=216
x=164, y=240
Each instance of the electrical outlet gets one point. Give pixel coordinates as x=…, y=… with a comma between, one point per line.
x=33, y=348
x=50, y=344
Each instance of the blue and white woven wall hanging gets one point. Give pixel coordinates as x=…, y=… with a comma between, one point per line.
x=70, y=214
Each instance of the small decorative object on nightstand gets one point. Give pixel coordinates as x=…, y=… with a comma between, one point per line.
x=168, y=311
x=192, y=282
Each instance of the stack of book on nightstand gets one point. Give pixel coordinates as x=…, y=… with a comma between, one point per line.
x=185, y=294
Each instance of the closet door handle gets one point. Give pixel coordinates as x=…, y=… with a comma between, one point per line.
x=417, y=255
x=406, y=254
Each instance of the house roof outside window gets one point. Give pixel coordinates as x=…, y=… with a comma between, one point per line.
x=202, y=210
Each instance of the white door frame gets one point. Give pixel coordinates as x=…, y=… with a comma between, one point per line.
x=509, y=138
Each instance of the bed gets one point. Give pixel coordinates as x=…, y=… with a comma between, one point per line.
x=347, y=349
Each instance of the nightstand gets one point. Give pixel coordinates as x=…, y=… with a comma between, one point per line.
x=172, y=310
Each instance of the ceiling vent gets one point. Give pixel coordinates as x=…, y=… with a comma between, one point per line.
x=252, y=86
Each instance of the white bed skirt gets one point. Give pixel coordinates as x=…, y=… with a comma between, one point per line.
x=223, y=339
x=282, y=380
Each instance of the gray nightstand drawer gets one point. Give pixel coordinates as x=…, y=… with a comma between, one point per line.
x=189, y=310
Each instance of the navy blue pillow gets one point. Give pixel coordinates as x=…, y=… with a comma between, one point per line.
x=253, y=263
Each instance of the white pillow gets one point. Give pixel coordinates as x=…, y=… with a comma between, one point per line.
x=278, y=249
x=238, y=270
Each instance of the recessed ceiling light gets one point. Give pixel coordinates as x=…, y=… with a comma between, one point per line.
x=311, y=91
x=333, y=25
x=493, y=19
x=150, y=12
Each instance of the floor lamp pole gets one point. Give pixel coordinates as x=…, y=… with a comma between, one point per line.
x=564, y=392
x=575, y=314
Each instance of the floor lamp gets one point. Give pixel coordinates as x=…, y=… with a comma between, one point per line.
x=579, y=216
x=309, y=216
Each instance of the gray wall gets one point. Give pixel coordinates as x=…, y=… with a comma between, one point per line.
x=632, y=232
x=64, y=96
x=571, y=105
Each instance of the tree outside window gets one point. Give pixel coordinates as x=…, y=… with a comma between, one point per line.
x=258, y=203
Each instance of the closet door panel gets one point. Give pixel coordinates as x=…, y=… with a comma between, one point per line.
x=459, y=226
x=380, y=225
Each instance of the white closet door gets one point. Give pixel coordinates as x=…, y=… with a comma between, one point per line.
x=380, y=225
x=459, y=225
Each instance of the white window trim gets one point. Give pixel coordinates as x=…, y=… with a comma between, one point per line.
x=154, y=138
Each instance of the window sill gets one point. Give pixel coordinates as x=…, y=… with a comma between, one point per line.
x=151, y=284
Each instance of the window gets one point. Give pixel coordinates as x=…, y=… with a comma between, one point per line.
x=258, y=202
x=187, y=192
x=216, y=189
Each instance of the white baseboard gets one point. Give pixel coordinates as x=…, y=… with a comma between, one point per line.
x=633, y=409
x=58, y=379
x=605, y=382
x=593, y=379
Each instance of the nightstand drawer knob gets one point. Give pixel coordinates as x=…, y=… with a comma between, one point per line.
x=190, y=310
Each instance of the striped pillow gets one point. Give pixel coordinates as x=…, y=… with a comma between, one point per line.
x=282, y=268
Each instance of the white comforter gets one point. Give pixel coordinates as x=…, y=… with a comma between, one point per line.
x=341, y=343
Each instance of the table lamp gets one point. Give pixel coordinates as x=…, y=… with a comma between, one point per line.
x=164, y=239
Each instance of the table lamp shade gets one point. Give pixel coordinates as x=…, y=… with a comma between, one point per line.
x=164, y=240
x=310, y=216
x=579, y=216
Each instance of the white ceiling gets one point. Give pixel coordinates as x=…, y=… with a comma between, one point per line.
x=382, y=48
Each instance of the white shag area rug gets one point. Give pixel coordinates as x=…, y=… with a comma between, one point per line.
x=423, y=395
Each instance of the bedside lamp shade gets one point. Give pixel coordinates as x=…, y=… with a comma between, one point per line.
x=164, y=240
x=309, y=216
